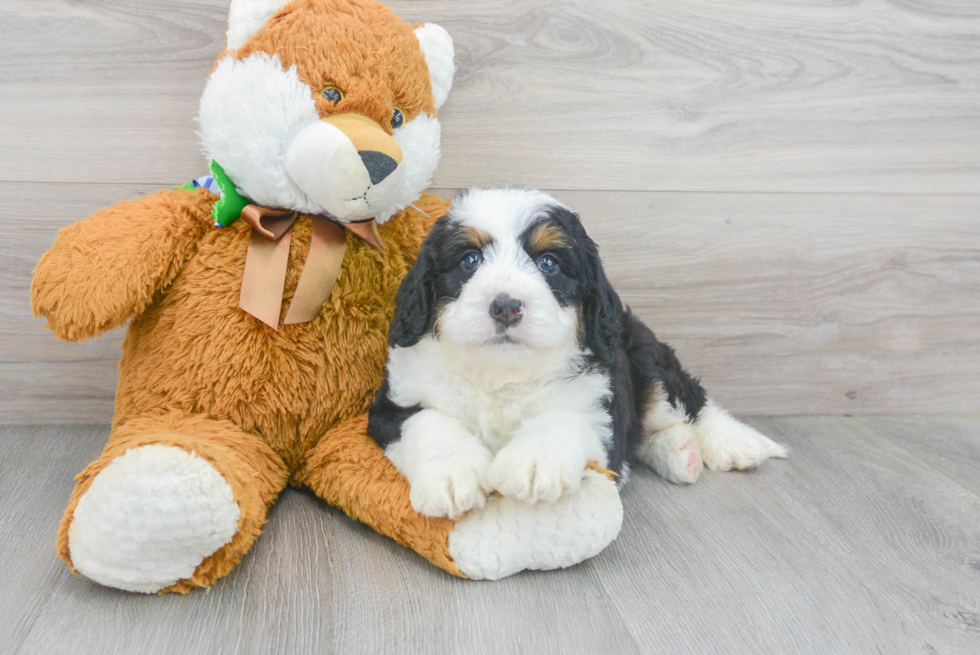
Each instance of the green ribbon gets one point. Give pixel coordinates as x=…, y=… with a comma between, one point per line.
x=230, y=203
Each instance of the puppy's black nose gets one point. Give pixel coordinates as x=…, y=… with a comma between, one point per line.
x=506, y=310
x=378, y=165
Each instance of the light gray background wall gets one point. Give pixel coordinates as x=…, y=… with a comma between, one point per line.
x=788, y=194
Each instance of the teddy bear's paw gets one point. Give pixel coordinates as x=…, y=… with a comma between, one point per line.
x=150, y=517
x=510, y=535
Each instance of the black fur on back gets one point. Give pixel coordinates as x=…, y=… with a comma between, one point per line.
x=623, y=348
x=653, y=361
x=386, y=417
x=642, y=363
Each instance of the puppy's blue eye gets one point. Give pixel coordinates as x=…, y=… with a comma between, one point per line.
x=547, y=264
x=471, y=261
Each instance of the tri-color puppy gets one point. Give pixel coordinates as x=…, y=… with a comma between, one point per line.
x=513, y=364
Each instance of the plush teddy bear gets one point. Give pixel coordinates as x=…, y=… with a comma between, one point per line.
x=259, y=298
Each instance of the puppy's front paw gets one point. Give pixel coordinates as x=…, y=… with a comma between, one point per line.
x=533, y=472
x=450, y=485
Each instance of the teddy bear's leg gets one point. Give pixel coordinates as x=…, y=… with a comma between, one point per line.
x=350, y=471
x=173, y=503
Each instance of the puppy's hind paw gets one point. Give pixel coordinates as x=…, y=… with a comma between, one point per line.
x=728, y=444
x=674, y=454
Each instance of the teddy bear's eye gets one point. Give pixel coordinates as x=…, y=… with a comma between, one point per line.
x=397, y=118
x=333, y=94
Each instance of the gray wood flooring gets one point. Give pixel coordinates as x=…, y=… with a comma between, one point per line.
x=787, y=192
x=867, y=540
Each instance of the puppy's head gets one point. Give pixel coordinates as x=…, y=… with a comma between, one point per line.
x=509, y=270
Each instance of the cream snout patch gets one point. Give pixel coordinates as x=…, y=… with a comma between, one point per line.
x=346, y=164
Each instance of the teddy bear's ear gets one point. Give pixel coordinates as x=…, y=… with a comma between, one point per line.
x=437, y=46
x=247, y=17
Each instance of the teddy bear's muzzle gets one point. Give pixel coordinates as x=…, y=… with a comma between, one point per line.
x=347, y=164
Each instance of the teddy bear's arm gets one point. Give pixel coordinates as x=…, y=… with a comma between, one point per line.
x=106, y=268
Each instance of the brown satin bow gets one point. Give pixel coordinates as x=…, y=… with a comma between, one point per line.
x=268, y=257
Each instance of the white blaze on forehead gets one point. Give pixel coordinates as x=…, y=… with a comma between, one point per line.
x=502, y=213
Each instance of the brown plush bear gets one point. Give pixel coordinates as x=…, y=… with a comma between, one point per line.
x=259, y=300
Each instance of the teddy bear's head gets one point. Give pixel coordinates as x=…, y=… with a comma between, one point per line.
x=327, y=106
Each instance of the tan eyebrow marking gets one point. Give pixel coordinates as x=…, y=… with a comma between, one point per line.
x=546, y=236
x=476, y=237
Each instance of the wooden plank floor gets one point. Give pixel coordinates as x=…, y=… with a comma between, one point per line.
x=867, y=540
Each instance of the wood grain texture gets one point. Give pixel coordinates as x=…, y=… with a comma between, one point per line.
x=624, y=95
x=853, y=545
x=875, y=547
x=783, y=303
x=43, y=380
x=104, y=91
x=954, y=450
x=789, y=194
x=37, y=467
x=805, y=303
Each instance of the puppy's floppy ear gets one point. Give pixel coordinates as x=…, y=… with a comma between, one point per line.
x=602, y=309
x=415, y=302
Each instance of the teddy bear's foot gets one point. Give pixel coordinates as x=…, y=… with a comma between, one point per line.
x=150, y=518
x=510, y=535
x=173, y=503
x=350, y=471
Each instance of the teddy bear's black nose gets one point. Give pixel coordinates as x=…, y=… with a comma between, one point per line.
x=378, y=164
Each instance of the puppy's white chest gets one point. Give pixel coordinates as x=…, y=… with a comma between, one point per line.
x=494, y=414
x=491, y=402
